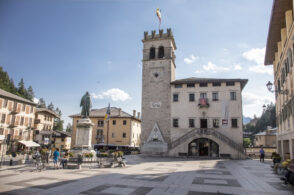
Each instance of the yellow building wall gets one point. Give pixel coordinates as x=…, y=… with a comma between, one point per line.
x=115, y=133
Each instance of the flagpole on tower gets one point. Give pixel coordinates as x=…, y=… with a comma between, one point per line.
x=158, y=13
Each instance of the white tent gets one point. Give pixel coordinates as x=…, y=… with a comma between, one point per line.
x=29, y=144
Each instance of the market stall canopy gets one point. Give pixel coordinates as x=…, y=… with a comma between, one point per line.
x=29, y=143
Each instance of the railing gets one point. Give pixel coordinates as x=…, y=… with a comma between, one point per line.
x=203, y=102
x=216, y=134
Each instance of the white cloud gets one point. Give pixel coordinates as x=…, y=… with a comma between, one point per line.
x=36, y=100
x=210, y=67
x=237, y=67
x=256, y=55
x=198, y=71
x=252, y=103
x=115, y=94
x=190, y=59
x=261, y=69
x=253, y=99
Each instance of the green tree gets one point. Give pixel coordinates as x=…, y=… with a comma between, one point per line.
x=246, y=142
x=58, y=125
x=51, y=106
x=42, y=103
x=21, y=89
x=69, y=128
x=30, y=93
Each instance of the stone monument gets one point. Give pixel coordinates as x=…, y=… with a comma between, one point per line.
x=84, y=128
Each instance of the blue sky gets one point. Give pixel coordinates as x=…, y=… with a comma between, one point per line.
x=64, y=48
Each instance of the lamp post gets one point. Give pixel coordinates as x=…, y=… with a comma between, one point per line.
x=269, y=86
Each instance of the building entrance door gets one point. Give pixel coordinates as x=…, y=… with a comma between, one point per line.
x=203, y=147
x=203, y=123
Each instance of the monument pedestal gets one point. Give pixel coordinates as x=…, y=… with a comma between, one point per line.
x=83, y=137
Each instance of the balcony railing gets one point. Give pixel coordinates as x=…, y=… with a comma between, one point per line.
x=203, y=102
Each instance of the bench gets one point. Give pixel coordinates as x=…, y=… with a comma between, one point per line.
x=73, y=163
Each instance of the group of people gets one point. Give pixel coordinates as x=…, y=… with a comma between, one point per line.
x=285, y=168
x=56, y=158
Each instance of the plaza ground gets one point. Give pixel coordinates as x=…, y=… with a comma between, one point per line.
x=146, y=175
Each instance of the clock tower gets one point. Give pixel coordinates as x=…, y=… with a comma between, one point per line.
x=158, y=72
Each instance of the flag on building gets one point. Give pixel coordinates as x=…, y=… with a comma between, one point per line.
x=107, y=114
x=158, y=15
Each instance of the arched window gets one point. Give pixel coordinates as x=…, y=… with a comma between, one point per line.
x=152, y=53
x=160, y=52
x=290, y=58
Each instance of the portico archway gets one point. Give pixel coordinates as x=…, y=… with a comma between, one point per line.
x=203, y=147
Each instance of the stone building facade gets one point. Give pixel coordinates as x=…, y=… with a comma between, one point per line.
x=279, y=53
x=16, y=119
x=267, y=138
x=43, y=126
x=194, y=116
x=124, y=129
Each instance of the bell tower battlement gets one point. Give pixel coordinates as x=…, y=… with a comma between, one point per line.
x=159, y=46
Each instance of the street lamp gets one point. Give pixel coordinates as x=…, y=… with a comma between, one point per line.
x=269, y=86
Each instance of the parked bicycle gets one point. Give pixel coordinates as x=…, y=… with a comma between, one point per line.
x=39, y=163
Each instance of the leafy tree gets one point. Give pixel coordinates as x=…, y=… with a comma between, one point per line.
x=41, y=103
x=246, y=142
x=51, y=106
x=69, y=128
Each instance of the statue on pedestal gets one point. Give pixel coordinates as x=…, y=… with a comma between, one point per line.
x=86, y=105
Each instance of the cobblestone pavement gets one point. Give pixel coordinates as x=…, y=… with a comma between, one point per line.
x=146, y=175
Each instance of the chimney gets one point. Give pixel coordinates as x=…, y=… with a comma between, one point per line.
x=138, y=116
x=119, y=111
x=134, y=113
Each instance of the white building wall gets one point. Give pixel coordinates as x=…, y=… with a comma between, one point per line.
x=184, y=110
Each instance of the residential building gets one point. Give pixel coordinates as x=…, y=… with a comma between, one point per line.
x=266, y=138
x=17, y=116
x=61, y=140
x=193, y=116
x=43, y=126
x=121, y=129
x=279, y=53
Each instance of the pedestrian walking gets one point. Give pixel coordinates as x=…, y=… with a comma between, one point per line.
x=56, y=156
x=261, y=151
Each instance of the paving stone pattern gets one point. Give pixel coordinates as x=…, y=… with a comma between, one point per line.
x=147, y=175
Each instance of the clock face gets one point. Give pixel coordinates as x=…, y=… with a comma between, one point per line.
x=156, y=74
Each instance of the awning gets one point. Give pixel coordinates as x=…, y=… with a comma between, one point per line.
x=29, y=143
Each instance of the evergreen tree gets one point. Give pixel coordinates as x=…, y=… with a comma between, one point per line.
x=58, y=124
x=7, y=84
x=58, y=111
x=12, y=88
x=4, y=80
x=68, y=128
x=31, y=94
x=51, y=106
x=41, y=103
x=21, y=88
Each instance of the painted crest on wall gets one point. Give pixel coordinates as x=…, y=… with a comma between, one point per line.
x=155, y=135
